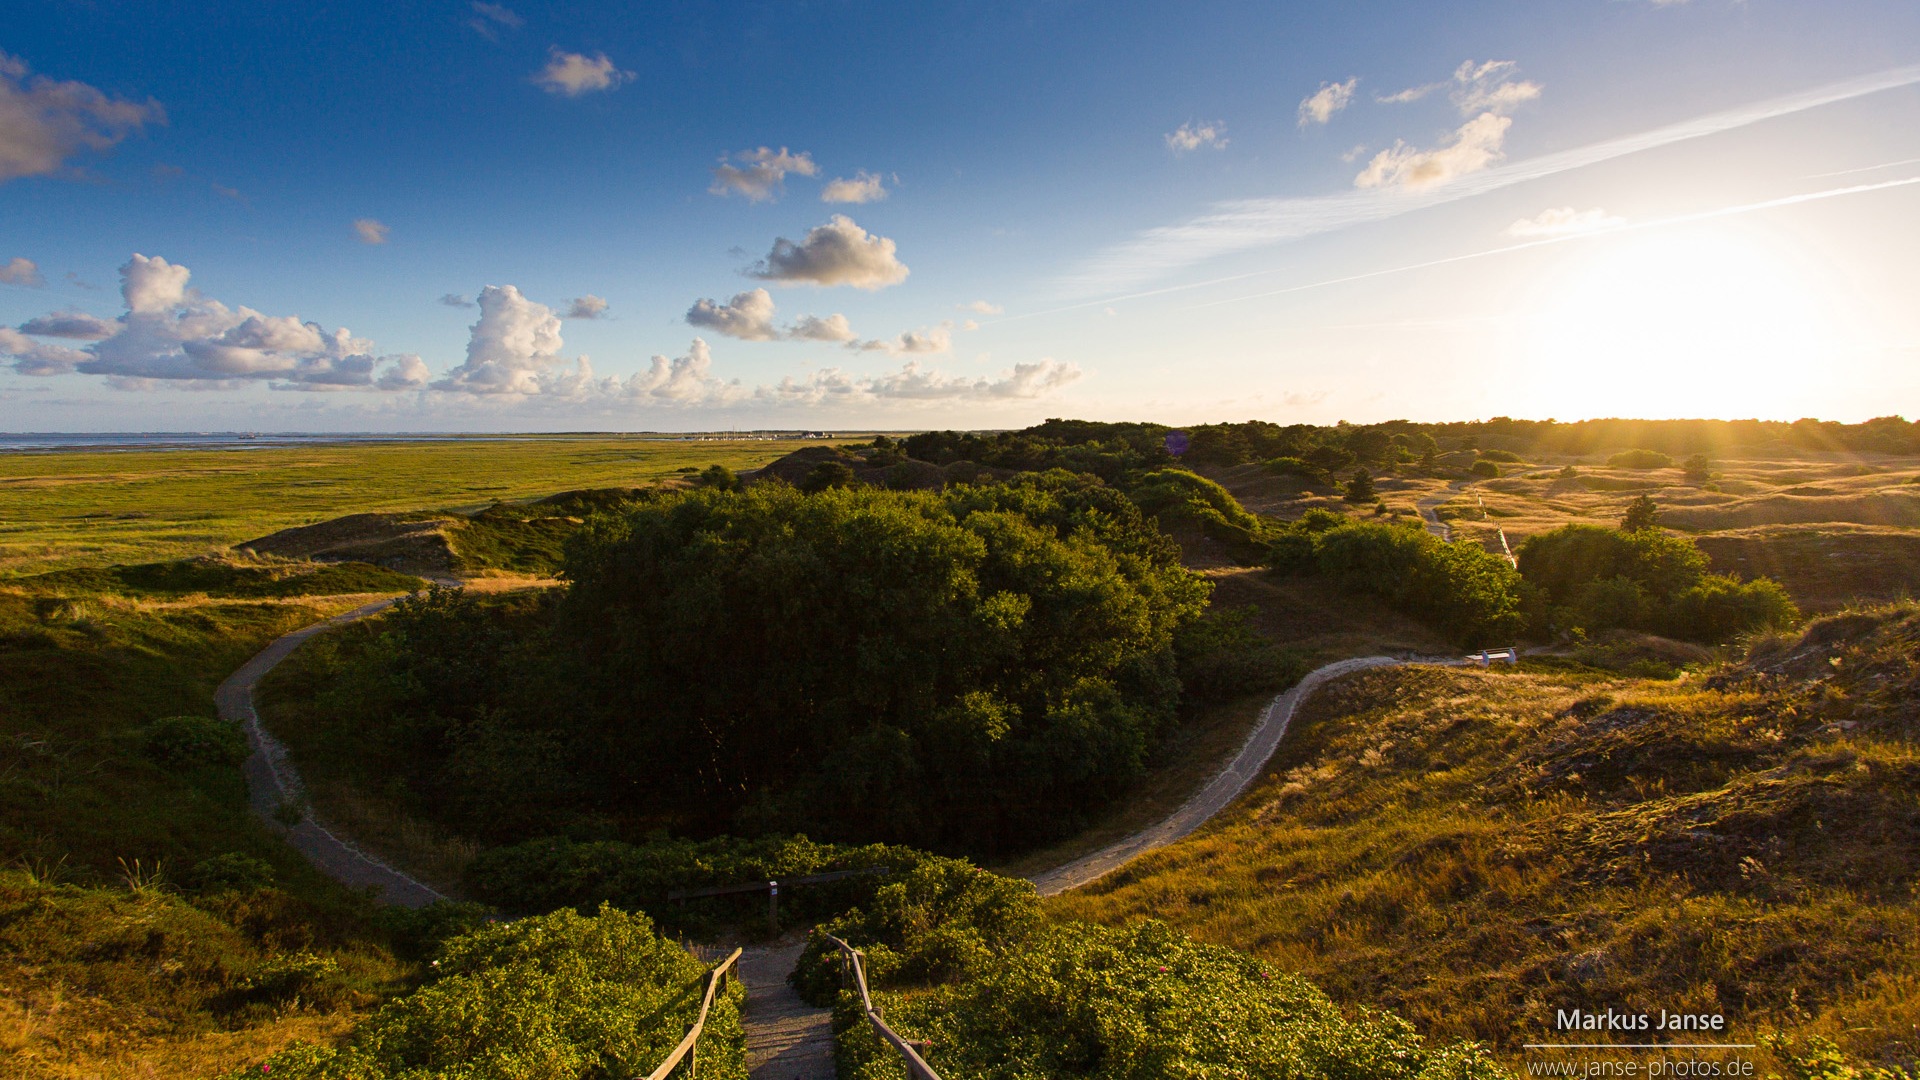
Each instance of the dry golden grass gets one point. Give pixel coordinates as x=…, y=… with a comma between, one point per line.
x=1475, y=850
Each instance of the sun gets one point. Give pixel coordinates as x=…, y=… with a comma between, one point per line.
x=1704, y=321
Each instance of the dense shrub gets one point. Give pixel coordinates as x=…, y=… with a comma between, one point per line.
x=194, y=740
x=1640, y=459
x=554, y=872
x=1505, y=457
x=1221, y=657
x=973, y=668
x=1459, y=587
x=1177, y=498
x=1360, y=488
x=1484, y=468
x=1643, y=579
x=1293, y=466
x=551, y=998
x=1140, y=1003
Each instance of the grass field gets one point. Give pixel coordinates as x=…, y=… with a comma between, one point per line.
x=72, y=509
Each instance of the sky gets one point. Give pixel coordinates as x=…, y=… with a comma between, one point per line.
x=451, y=215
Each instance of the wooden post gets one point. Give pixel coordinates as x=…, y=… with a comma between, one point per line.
x=773, y=908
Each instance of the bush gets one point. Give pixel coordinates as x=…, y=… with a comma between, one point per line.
x=1484, y=468
x=1640, y=459
x=1222, y=658
x=1359, y=489
x=1722, y=607
x=1698, y=468
x=1144, y=1003
x=1177, y=497
x=1597, y=579
x=1293, y=466
x=558, y=997
x=827, y=474
x=1459, y=587
x=1507, y=457
x=195, y=740
x=230, y=872
x=720, y=477
x=1642, y=514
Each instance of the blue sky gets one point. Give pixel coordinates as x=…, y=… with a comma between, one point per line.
x=1185, y=212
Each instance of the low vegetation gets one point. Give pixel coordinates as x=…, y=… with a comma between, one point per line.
x=962, y=959
x=1474, y=850
x=557, y=997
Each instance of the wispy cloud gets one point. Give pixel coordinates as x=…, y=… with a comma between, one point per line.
x=489, y=19
x=1565, y=221
x=370, y=231
x=1319, y=106
x=1244, y=224
x=1191, y=136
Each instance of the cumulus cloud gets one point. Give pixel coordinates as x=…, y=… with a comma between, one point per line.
x=489, y=19
x=833, y=328
x=455, y=300
x=173, y=336
x=77, y=325
x=586, y=307
x=983, y=307
x=761, y=174
x=574, y=74
x=837, y=253
x=934, y=339
x=1485, y=91
x=1319, y=106
x=1490, y=87
x=1191, y=136
x=1564, y=221
x=370, y=231
x=44, y=122
x=865, y=187
x=31, y=357
x=748, y=316
x=1477, y=144
x=514, y=346
x=915, y=383
x=18, y=271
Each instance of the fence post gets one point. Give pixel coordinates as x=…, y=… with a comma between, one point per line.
x=773, y=908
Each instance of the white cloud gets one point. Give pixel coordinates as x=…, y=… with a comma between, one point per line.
x=1319, y=106
x=933, y=339
x=574, y=74
x=837, y=253
x=173, y=336
x=37, y=358
x=77, y=325
x=370, y=231
x=20, y=271
x=1407, y=96
x=488, y=18
x=43, y=122
x=983, y=307
x=865, y=187
x=1190, y=136
x=514, y=346
x=748, y=316
x=455, y=300
x=764, y=174
x=1565, y=221
x=1490, y=87
x=914, y=383
x=1477, y=144
x=586, y=307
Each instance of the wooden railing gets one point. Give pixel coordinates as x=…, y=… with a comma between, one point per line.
x=855, y=967
x=687, y=1050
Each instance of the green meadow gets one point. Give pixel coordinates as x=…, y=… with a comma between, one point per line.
x=98, y=508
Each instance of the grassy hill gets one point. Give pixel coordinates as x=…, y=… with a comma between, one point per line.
x=1477, y=849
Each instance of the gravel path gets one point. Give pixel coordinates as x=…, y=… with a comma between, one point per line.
x=273, y=784
x=1427, y=508
x=787, y=1039
x=1211, y=799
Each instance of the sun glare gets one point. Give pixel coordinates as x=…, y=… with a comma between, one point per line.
x=1686, y=322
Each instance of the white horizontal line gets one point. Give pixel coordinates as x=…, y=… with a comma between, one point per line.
x=1637, y=1046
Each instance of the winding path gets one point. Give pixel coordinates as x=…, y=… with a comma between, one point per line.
x=786, y=1039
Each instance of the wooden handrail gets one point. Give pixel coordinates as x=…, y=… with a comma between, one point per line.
x=716, y=982
x=917, y=1067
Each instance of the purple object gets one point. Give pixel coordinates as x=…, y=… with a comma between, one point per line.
x=1177, y=443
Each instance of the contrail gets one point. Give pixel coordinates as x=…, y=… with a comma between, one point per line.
x=1861, y=169
x=1661, y=223
x=1247, y=223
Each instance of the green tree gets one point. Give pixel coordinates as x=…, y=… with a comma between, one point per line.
x=1698, y=468
x=1359, y=489
x=1642, y=514
x=827, y=474
x=719, y=477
